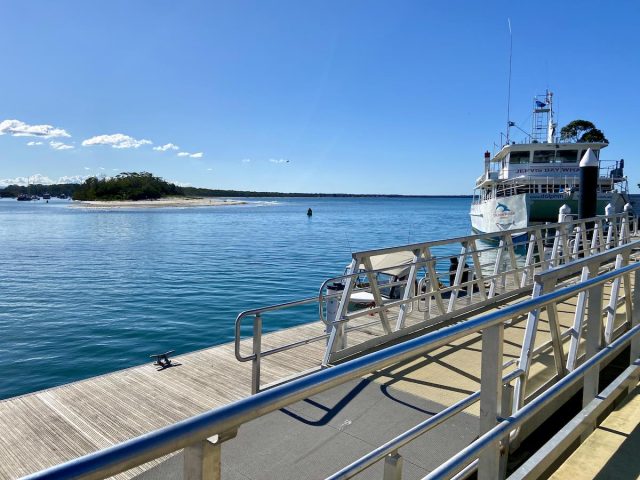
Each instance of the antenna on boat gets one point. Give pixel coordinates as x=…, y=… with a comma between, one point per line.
x=509, y=89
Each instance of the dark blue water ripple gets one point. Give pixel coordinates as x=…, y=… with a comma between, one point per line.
x=85, y=292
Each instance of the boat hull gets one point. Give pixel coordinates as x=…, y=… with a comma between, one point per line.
x=520, y=211
x=500, y=214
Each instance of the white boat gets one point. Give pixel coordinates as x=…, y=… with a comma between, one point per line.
x=527, y=183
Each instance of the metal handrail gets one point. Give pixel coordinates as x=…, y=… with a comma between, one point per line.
x=472, y=451
x=229, y=418
x=401, y=440
x=259, y=311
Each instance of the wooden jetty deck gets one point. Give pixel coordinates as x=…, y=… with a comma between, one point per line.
x=45, y=428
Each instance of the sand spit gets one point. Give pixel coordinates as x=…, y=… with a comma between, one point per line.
x=171, y=202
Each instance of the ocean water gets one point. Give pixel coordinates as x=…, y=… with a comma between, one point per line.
x=84, y=292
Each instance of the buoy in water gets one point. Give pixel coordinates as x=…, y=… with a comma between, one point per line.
x=309, y=212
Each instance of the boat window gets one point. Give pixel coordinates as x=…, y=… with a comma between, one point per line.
x=544, y=156
x=582, y=152
x=518, y=157
x=566, y=156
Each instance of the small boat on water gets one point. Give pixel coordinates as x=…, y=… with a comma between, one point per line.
x=527, y=183
x=23, y=197
x=46, y=196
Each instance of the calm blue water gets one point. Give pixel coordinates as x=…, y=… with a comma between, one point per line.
x=85, y=292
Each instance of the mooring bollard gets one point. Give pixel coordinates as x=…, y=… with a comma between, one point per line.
x=588, y=185
x=563, y=213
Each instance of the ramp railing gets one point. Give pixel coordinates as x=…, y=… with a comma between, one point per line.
x=436, y=283
x=202, y=436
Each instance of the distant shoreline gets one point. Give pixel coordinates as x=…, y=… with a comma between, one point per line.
x=169, y=202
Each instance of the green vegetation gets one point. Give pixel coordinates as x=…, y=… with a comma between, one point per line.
x=12, y=191
x=126, y=186
x=582, y=131
x=145, y=186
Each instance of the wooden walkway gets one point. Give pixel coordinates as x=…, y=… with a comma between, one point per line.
x=45, y=428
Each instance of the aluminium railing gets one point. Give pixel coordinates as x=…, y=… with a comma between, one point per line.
x=202, y=435
x=499, y=270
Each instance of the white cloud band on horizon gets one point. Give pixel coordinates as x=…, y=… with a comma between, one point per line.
x=116, y=140
x=33, y=143
x=39, y=179
x=168, y=146
x=17, y=128
x=278, y=160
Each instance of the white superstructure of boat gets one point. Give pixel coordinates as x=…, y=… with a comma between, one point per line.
x=526, y=183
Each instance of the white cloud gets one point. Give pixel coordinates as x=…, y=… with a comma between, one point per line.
x=87, y=168
x=278, y=160
x=246, y=160
x=33, y=144
x=18, y=128
x=117, y=140
x=60, y=146
x=168, y=146
x=192, y=155
x=39, y=179
x=72, y=179
x=33, y=179
x=209, y=169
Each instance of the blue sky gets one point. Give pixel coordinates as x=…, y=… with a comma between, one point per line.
x=319, y=96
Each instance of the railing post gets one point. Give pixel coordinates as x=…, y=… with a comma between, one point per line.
x=392, y=467
x=257, y=347
x=202, y=461
x=635, y=320
x=505, y=411
x=338, y=336
x=490, y=398
x=593, y=336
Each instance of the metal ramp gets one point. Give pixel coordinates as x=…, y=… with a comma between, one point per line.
x=490, y=271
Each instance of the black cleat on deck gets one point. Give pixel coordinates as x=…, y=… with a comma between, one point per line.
x=162, y=359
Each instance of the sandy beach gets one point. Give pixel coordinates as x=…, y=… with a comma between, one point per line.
x=171, y=202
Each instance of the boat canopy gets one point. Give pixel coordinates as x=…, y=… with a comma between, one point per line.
x=396, y=263
x=528, y=147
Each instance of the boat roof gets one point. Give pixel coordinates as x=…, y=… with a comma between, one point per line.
x=395, y=263
x=527, y=147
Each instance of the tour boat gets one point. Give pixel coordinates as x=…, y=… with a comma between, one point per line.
x=527, y=183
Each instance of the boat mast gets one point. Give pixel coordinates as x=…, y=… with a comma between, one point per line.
x=551, y=126
x=543, y=127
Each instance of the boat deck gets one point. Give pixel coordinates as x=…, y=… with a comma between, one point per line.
x=55, y=425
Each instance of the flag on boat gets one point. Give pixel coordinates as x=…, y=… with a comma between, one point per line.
x=540, y=104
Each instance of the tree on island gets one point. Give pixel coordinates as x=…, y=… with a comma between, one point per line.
x=126, y=186
x=582, y=131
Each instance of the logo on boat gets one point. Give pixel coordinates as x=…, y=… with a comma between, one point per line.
x=504, y=216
